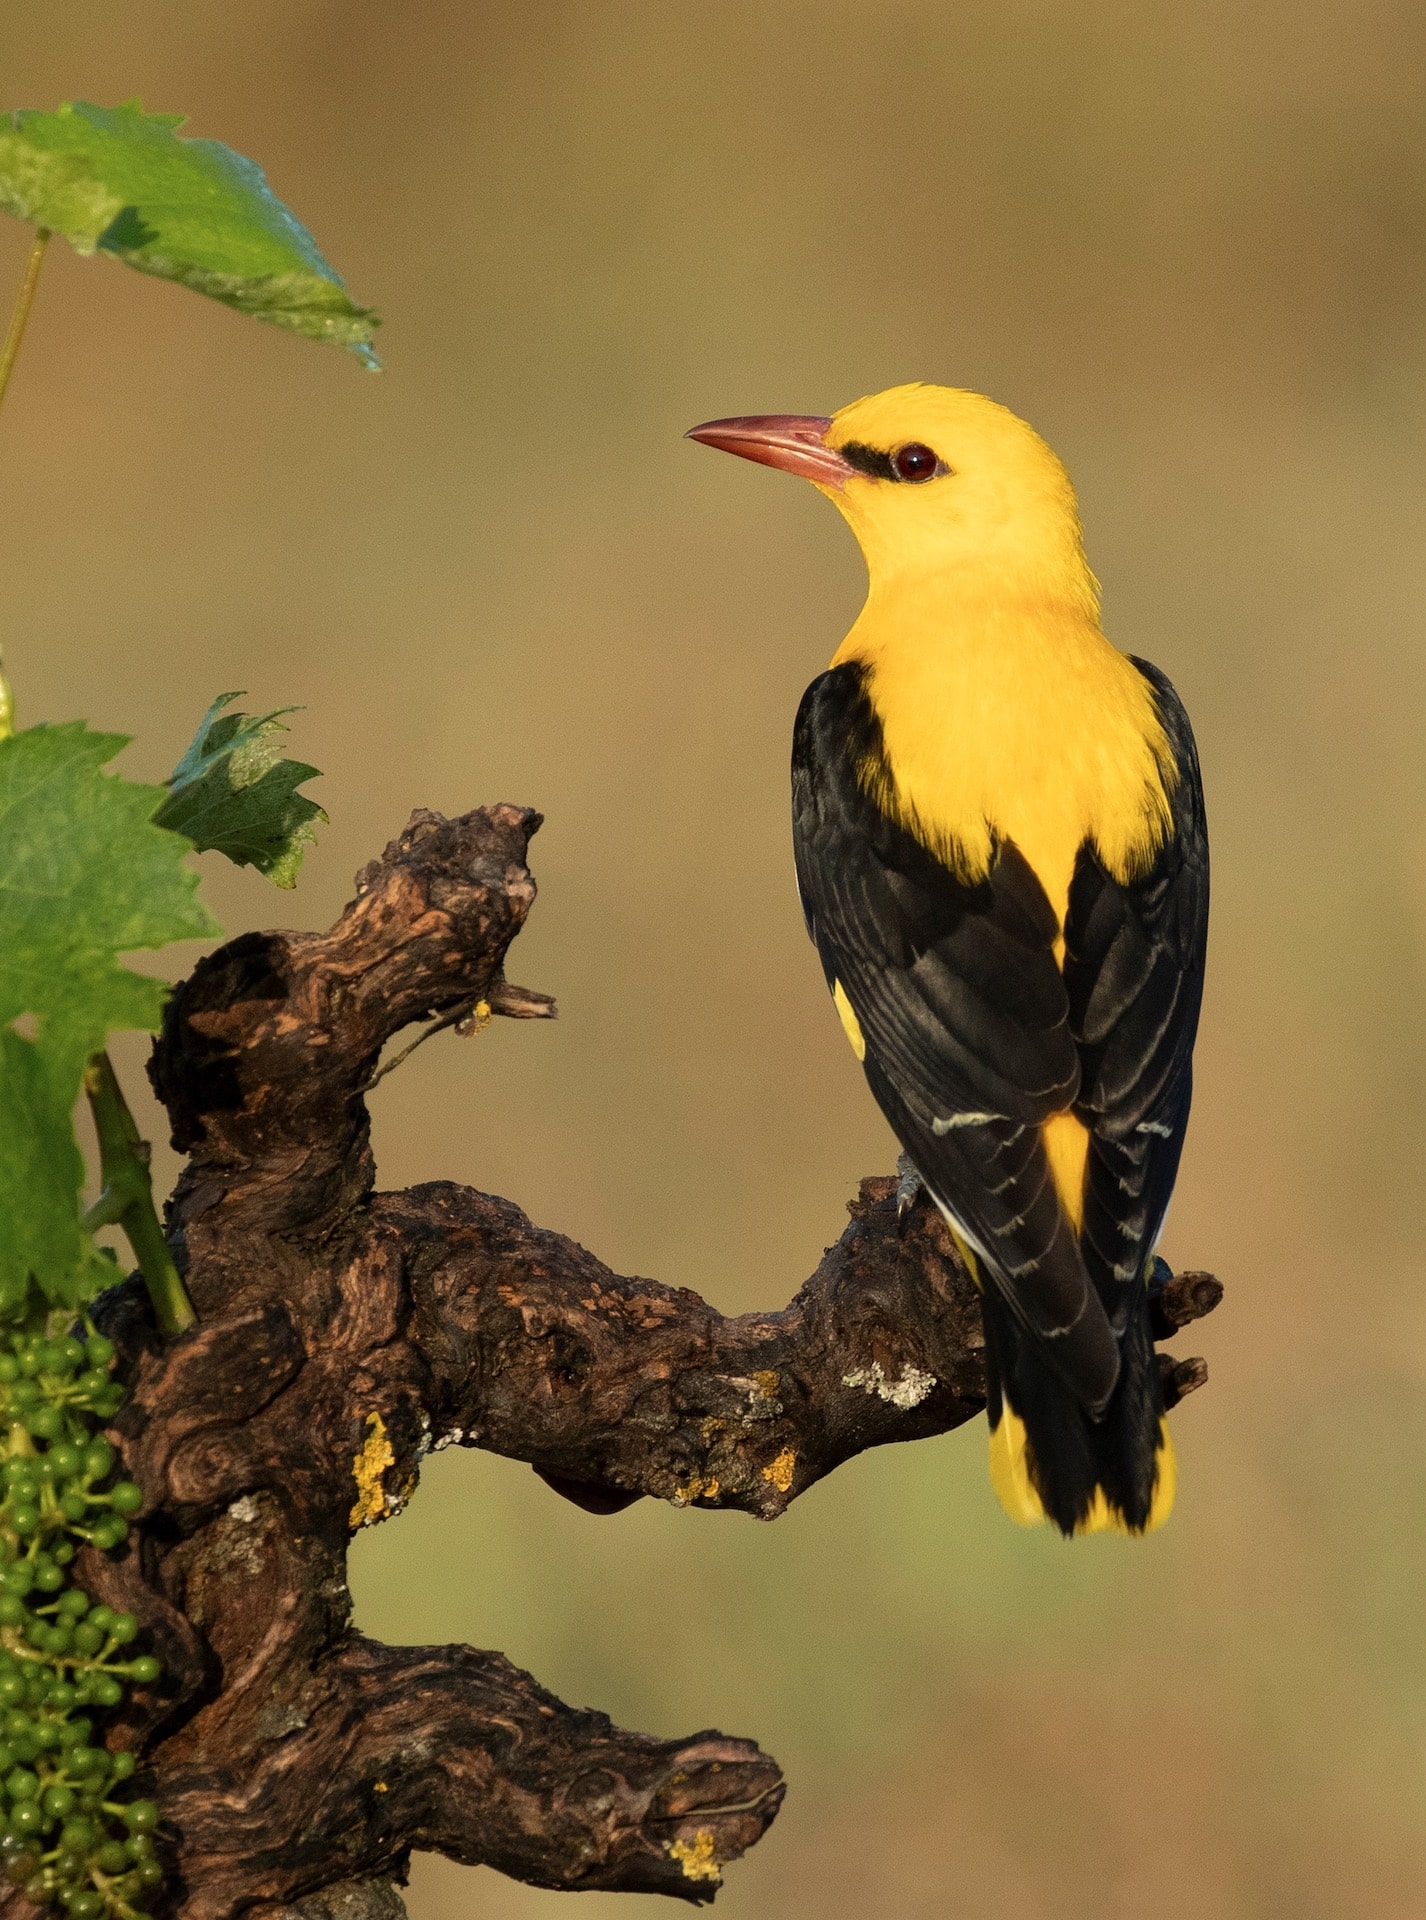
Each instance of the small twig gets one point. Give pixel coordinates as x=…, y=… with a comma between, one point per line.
x=22, y=308
x=510, y=1002
x=126, y=1199
x=470, y=1019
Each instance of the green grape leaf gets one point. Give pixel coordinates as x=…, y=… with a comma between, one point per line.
x=234, y=792
x=85, y=876
x=121, y=181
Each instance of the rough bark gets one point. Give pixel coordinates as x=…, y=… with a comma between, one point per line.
x=344, y=1333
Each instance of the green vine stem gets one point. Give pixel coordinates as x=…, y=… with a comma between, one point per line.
x=126, y=1196
x=22, y=308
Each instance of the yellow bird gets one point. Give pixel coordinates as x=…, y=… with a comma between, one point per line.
x=1002, y=855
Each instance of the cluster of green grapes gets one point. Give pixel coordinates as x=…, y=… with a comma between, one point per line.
x=66, y=1838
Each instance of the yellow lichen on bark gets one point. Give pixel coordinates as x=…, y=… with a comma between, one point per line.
x=367, y=1470
x=697, y=1489
x=780, y=1471
x=696, y=1856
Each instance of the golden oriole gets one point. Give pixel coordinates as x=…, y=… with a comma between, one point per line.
x=1001, y=851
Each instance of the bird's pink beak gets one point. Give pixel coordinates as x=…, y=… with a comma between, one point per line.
x=794, y=442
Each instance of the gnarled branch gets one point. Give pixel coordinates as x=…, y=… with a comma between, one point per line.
x=344, y=1333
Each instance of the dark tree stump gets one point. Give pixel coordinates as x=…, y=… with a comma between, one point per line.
x=344, y=1333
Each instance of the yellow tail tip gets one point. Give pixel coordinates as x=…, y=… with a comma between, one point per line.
x=1015, y=1488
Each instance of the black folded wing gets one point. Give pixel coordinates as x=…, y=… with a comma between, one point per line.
x=965, y=1019
x=1134, y=975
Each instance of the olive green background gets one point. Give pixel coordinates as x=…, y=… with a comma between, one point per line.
x=1189, y=243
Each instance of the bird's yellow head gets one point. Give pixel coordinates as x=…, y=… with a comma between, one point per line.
x=935, y=482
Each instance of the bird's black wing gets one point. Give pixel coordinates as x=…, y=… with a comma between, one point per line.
x=963, y=1015
x=1133, y=970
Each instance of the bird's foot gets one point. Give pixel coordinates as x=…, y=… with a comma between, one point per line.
x=909, y=1185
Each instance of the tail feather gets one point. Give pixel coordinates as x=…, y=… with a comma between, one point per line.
x=1052, y=1460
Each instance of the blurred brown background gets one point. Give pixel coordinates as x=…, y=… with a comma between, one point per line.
x=1189, y=243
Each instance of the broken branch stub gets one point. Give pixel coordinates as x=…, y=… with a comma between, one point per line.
x=343, y=1333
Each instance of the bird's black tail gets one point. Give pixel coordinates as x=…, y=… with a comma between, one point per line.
x=1050, y=1459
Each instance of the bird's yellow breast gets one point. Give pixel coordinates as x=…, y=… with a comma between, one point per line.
x=1012, y=718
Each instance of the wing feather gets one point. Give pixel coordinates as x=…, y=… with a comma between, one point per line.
x=965, y=1019
x=1133, y=972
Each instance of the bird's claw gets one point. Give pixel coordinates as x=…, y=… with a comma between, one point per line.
x=908, y=1185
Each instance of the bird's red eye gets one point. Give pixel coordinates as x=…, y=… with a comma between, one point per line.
x=914, y=462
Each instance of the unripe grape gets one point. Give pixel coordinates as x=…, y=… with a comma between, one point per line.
x=125, y=1764
x=73, y=1506
x=150, y=1873
x=140, y=1816
x=17, y=1723
x=125, y=1627
x=12, y=1610
x=27, y=1817
x=105, y=1690
x=99, y=1457
x=45, y=1422
x=9, y=1368
x=107, y=1533
x=12, y=1690
x=86, y=1906
x=46, y=1735
x=73, y=1352
x=139, y=1847
x=75, y=1602
x=62, y=1552
x=98, y=1350
x=57, y=1639
x=36, y=1687
x=61, y=1696
x=29, y=1361
x=18, y=1467
x=87, y=1638
x=126, y=1497
x=112, y=1857
x=24, y=1519
x=80, y=1834
x=102, y=1617
x=26, y=1392
x=145, y=1670
x=66, y=1459
x=49, y=1578
x=74, y=1733
x=59, y=1801
x=21, y=1784
x=88, y=1760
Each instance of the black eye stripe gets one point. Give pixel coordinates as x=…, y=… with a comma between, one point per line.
x=882, y=466
x=868, y=460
